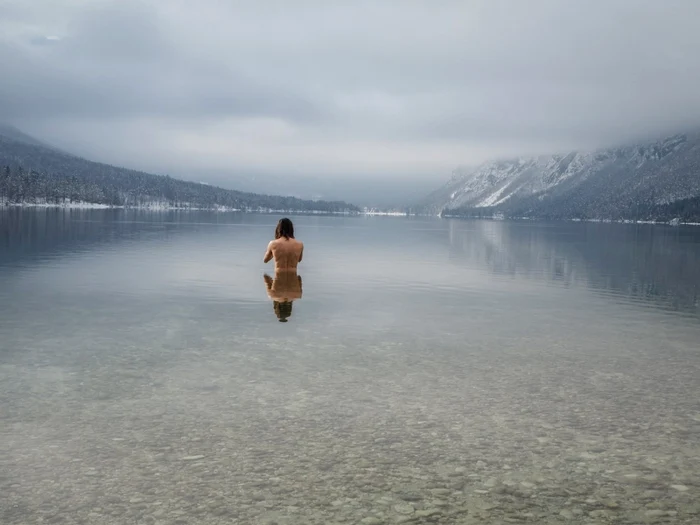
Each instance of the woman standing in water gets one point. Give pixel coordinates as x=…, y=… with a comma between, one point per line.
x=286, y=286
x=285, y=249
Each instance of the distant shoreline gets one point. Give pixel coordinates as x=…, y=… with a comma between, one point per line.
x=673, y=222
x=221, y=209
x=225, y=209
x=163, y=207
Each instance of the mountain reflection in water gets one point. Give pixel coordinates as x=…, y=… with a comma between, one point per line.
x=639, y=262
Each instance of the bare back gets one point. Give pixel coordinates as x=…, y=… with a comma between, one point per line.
x=286, y=252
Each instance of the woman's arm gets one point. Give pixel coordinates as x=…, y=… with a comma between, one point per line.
x=268, y=253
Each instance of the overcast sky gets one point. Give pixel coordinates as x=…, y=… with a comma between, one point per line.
x=376, y=88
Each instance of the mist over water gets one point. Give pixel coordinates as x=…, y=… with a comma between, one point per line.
x=431, y=371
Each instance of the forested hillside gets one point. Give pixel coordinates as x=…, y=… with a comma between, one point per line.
x=32, y=173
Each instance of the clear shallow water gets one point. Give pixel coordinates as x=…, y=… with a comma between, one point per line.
x=433, y=371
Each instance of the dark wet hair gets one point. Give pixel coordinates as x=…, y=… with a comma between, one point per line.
x=285, y=229
x=283, y=309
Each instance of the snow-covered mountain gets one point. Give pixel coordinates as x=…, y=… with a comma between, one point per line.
x=609, y=183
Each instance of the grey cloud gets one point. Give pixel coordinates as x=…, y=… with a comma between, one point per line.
x=455, y=76
x=115, y=62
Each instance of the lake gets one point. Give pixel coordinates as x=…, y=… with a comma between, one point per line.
x=431, y=371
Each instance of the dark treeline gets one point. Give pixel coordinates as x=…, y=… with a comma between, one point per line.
x=686, y=210
x=35, y=174
x=470, y=213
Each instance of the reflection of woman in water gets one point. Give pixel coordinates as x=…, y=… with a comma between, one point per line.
x=282, y=310
x=286, y=286
x=283, y=290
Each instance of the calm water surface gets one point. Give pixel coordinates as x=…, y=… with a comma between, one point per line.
x=432, y=371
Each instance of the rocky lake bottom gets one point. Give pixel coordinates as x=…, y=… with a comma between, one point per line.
x=328, y=433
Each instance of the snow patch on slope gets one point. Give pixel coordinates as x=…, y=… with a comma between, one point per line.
x=492, y=199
